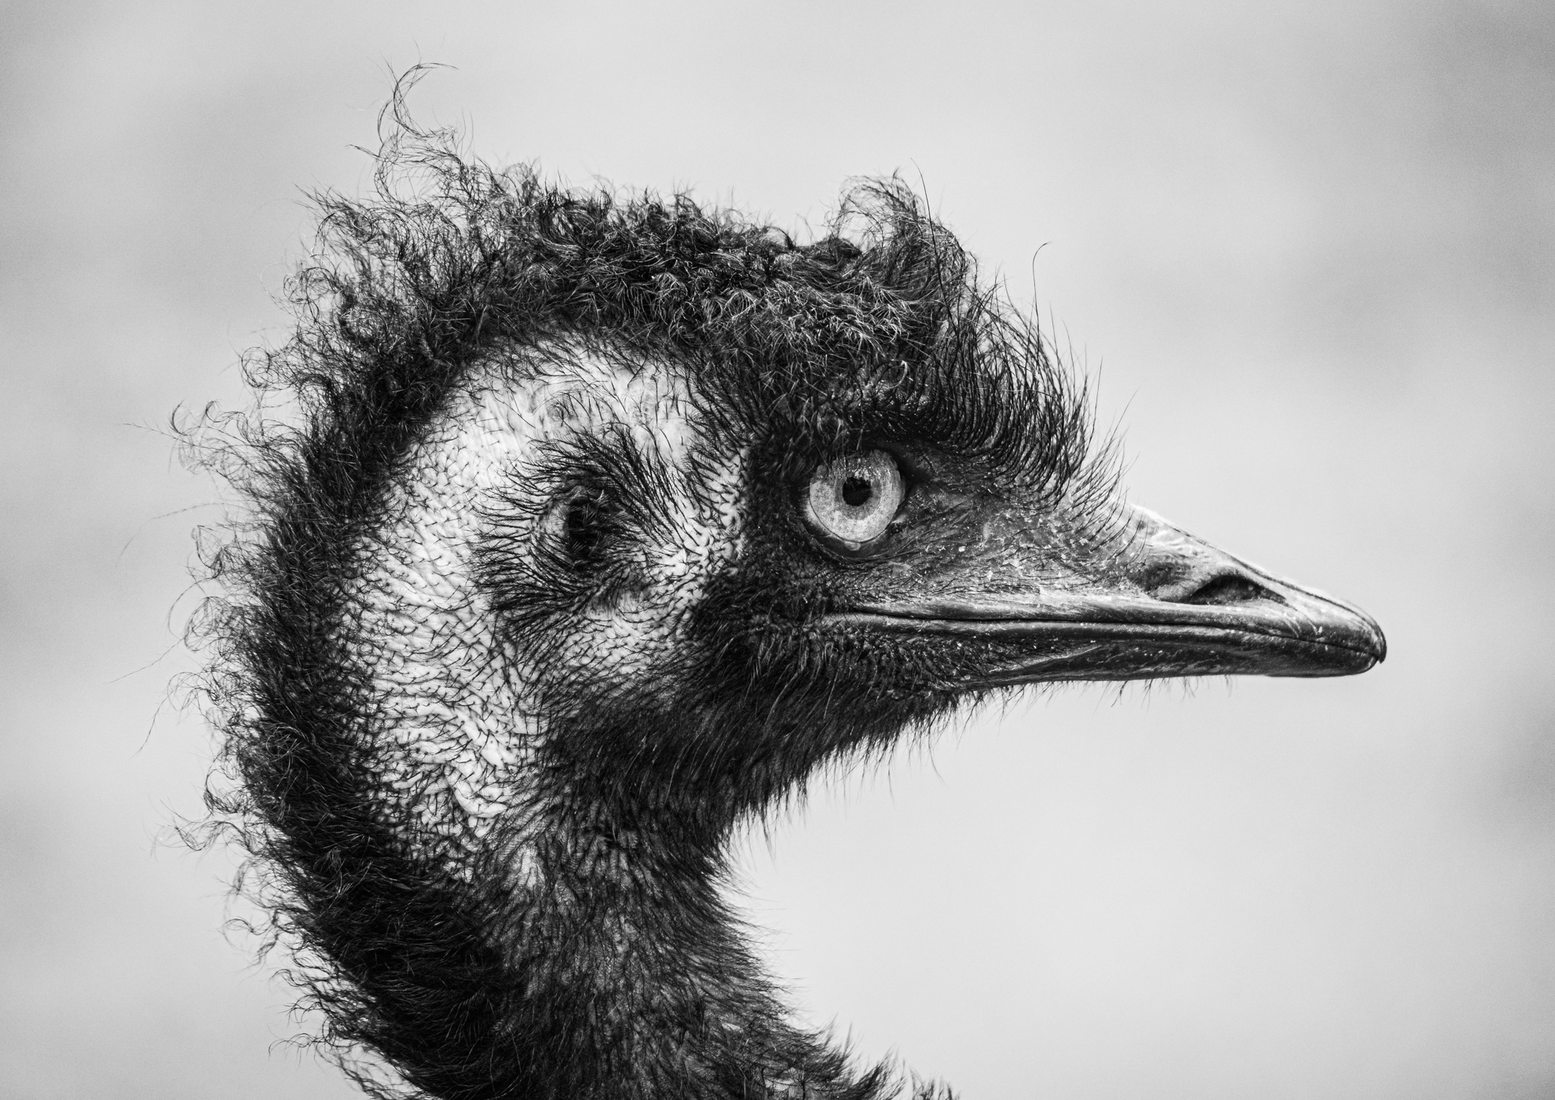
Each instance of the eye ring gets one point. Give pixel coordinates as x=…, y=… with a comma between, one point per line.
x=852, y=500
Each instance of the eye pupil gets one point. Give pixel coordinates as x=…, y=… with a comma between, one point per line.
x=856, y=491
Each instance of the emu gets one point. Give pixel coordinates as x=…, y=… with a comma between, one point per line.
x=607, y=523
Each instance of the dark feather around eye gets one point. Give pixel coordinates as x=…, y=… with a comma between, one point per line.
x=572, y=532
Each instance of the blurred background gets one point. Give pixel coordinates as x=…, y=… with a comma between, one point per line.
x=1306, y=247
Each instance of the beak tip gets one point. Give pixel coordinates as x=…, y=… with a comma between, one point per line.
x=1362, y=635
x=1379, y=651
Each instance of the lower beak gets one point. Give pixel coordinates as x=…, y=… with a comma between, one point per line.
x=1168, y=604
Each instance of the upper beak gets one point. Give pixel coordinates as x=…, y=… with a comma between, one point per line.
x=1164, y=604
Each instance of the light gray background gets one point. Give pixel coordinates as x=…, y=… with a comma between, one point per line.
x=1306, y=245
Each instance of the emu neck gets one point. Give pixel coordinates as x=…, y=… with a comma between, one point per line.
x=596, y=959
x=569, y=937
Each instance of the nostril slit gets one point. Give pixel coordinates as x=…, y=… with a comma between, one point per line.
x=1229, y=588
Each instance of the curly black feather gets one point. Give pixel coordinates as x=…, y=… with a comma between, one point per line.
x=878, y=330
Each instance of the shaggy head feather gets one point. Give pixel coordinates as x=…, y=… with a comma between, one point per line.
x=529, y=612
x=524, y=622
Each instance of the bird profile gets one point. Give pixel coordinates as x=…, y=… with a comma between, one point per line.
x=604, y=524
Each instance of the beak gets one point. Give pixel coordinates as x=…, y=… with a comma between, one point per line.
x=1164, y=604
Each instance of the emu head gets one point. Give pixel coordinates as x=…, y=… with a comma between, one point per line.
x=610, y=523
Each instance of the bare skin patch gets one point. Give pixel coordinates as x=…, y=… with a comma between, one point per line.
x=457, y=707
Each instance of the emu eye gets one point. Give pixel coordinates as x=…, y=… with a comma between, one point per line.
x=854, y=499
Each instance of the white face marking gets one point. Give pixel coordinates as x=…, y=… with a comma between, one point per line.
x=453, y=716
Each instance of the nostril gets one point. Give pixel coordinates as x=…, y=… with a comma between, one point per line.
x=1228, y=588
